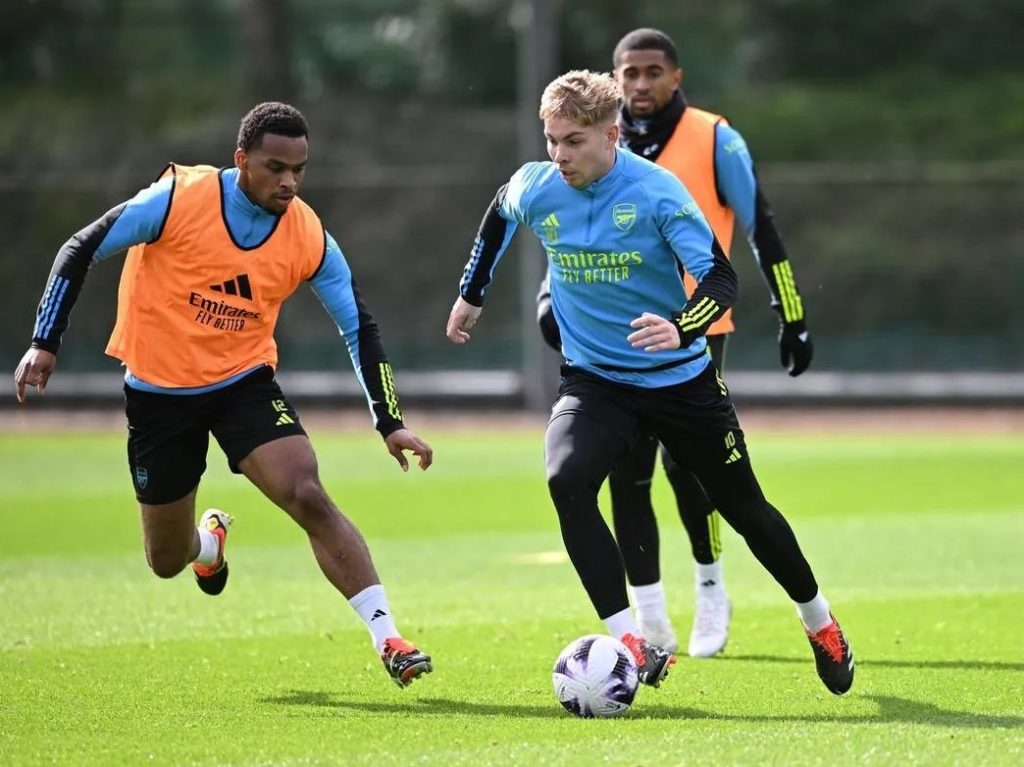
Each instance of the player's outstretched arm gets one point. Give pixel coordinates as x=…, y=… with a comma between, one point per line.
x=137, y=220
x=497, y=228
x=402, y=440
x=336, y=288
x=35, y=369
x=741, y=190
x=795, y=347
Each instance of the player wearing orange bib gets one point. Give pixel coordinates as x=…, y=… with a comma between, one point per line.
x=213, y=254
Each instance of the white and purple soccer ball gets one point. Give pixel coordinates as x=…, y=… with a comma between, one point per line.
x=595, y=676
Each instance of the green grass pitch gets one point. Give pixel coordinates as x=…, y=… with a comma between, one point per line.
x=916, y=539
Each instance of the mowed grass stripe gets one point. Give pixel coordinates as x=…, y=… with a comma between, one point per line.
x=292, y=695
x=916, y=543
x=524, y=575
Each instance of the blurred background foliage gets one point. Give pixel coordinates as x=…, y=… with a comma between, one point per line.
x=810, y=78
x=889, y=138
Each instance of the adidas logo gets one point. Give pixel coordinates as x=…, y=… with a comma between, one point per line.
x=551, y=225
x=281, y=407
x=378, y=613
x=239, y=286
x=708, y=583
x=734, y=456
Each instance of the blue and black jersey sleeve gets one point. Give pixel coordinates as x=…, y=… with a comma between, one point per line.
x=336, y=288
x=138, y=220
x=716, y=291
x=738, y=188
x=491, y=242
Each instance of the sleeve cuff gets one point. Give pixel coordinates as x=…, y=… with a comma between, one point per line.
x=47, y=346
x=389, y=427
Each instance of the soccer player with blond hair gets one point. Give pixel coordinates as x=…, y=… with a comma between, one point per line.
x=712, y=160
x=619, y=232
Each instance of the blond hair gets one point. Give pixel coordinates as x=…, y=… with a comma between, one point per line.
x=584, y=97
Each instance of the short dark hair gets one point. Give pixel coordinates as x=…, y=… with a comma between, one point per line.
x=270, y=117
x=646, y=39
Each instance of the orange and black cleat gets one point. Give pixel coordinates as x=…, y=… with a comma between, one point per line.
x=833, y=657
x=213, y=578
x=403, y=661
x=651, y=661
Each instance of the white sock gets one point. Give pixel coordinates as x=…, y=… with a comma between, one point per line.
x=209, y=547
x=650, y=602
x=709, y=578
x=372, y=606
x=621, y=623
x=815, y=614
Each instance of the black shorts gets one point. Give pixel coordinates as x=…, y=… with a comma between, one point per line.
x=694, y=420
x=168, y=434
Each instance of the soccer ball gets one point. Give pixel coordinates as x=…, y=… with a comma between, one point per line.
x=595, y=676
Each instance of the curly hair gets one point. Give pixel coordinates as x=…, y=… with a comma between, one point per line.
x=585, y=97
x=270, y=117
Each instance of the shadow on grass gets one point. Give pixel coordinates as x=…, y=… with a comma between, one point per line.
x=982, y=665
x=890, y=710
x=445, y=707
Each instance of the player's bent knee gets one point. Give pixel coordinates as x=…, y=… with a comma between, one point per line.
x=568, y=484
x=309, y=505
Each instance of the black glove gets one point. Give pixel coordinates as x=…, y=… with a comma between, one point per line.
x=795, y=348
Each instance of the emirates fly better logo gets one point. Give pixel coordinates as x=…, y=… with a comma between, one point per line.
x=219, y=314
